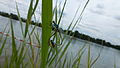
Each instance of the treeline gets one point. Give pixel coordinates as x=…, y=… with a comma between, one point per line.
x=15, y=17
x=91, y=39
x=76, y=33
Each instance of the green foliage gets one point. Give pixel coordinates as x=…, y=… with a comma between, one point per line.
x=26, y=55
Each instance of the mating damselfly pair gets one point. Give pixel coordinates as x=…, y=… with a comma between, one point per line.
x=56, y=33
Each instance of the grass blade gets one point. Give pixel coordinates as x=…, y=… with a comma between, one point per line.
x=89, y=63
x=92, y=63
x=19, y=19
x=62, y=12
x=46, y=29
x=14, y=48
x=3, y=45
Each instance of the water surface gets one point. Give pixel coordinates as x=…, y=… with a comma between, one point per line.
x=106, y=60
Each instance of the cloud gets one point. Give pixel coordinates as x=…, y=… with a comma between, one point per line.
x=97, y=11
x=97, y=8
x=100, y=6
x=117, y=17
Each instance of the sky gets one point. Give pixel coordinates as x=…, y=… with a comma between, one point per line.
x=101, y=18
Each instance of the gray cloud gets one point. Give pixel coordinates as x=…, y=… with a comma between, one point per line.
x=100, y=6
x=117, y=17
x=97, y=11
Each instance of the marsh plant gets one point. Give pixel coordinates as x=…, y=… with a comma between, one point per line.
x=51, y=48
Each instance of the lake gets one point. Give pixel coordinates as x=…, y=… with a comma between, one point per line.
x=107, y=57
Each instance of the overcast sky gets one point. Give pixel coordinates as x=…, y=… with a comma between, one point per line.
x=101, y=19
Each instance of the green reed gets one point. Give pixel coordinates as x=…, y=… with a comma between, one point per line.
x=44, y=56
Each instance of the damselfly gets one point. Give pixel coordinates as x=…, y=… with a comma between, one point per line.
x=56, y=32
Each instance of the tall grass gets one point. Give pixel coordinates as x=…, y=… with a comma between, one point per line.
x=44, y=56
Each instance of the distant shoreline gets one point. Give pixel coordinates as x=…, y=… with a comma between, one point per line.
x=76, y=33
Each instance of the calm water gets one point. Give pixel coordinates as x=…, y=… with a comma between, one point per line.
x=106, y=60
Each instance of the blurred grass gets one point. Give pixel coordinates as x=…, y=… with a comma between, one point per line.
x=31, y=11
x=3, y=45
x=45, y=57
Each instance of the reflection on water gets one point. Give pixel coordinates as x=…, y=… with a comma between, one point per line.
x=106, y=59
